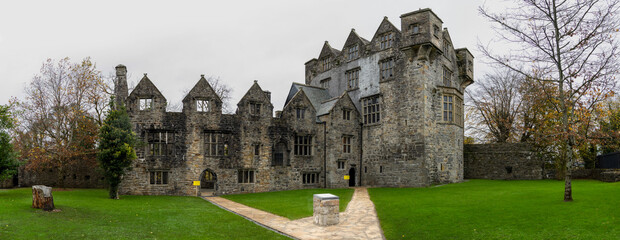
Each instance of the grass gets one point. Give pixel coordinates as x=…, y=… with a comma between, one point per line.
x=88, y=214
x=487, y=209
x=292, y=204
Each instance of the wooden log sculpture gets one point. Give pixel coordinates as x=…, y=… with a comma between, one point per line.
x=42, y=197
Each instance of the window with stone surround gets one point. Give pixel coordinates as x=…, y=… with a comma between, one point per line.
x=300, y=113
x=446, y=49
x=346, y=143
x=386, y=40
x=158, y=177
x=203, y=105
x=447, y=77
x=352, y=77
x=325, y=82
x=326, y=63
x=245, y=176
x=256, y=149
x=216, y=144
x=386, y=68
x=145, y=104
x=346, y=114
x=414, y=28
x=255, y=108
x=458, y=111
x=371, y=109
x=310, y=178
x=380, y=169
x=352, y=52
x=160, y=143
x=303, y=145
x=341, y=164
x=452, y=109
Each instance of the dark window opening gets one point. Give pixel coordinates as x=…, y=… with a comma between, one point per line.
x=509, y=169
x=245, y=176
x=158, y=177
x=310, y=178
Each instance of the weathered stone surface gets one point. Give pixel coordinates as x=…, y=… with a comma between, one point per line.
x=326, y=209
x=502, y=161
x=410, y=146
x=42, y=197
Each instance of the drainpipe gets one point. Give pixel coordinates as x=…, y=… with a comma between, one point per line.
x=361, y=151
x=324, y=153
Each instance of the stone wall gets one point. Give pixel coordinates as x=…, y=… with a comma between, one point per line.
x=501, y=161
x=86, y=177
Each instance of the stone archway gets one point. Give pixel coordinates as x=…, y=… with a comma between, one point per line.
x=208, y=182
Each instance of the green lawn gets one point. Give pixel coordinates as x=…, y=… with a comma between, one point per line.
x=292, y=204
x=487, y=209
x=88, y=214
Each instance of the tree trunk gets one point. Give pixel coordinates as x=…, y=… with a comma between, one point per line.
x=568, y=188
x=42, y=197
x=114, y=191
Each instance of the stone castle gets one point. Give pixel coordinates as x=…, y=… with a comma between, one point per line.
x=381, y=112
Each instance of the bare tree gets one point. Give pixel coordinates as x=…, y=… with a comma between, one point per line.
x=60, y=114
x=495, y=104
x=568, y=48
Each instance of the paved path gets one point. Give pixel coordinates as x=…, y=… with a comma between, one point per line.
x=358, y=221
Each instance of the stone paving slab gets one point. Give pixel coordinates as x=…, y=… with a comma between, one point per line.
x=358, y=221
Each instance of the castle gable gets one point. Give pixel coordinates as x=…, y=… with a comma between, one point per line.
x=385, y=27
x=255, y=94
x=146, y=88
x=202, y=98
x=328, y=51
x=202, y=90
x=354, y=39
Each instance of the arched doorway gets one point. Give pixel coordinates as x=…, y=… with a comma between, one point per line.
x=352, y=177
x=208, y=182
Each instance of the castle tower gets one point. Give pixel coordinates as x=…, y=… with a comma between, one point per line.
x=120, y=85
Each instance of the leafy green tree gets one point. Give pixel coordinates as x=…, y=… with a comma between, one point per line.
x=610, y=128
x=116, y=147
x=8, y=156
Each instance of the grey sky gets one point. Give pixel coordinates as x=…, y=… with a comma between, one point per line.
x=239, y=41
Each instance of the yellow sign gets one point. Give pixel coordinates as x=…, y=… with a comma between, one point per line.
x=346, y=177
x=196, y=183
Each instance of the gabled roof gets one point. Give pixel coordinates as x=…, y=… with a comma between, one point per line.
x=202, y=89
x=316, y=95
x=327, y=50
x=384, y=27
x=255, y=90
x=446, y=35
x=327, y=106
x=354, y=39
x=146, y=88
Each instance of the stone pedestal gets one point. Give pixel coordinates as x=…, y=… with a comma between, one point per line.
x=326, y=208
x=42, y=197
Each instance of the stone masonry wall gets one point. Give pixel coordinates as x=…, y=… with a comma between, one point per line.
x=502, y=161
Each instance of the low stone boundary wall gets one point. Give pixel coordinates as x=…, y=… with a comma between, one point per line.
x=501, y=161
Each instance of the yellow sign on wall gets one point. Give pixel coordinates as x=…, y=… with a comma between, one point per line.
x=346, y=177
x=196, y=183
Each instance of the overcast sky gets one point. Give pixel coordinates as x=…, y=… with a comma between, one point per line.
x=239, y=41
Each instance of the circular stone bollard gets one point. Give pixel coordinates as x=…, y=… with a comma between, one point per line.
x=42, y=197
x=326, y=208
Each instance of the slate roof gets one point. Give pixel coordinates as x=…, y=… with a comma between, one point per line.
x=319, y=97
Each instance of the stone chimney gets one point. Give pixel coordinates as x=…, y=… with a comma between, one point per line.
x=120, y=85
